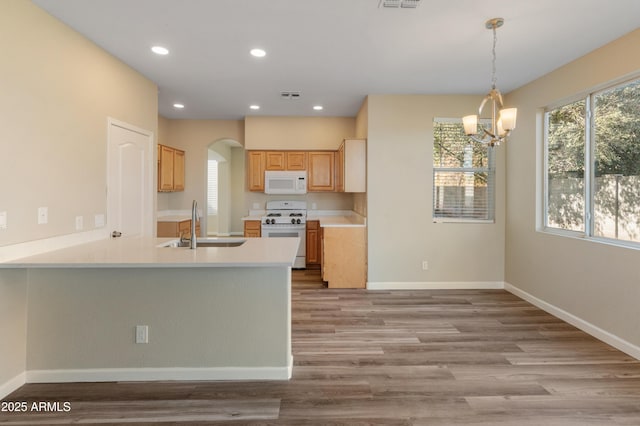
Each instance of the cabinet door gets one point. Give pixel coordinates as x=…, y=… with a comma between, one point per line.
x=166, y=169
x=275, y=160
x=321, y=171
x=255, y=170
x=313, y=242
x=252, y=229
x=178, y=170
x=296, y=160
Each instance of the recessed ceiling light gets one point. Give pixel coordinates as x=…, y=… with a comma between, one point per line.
x=258, y=53
x=254, y=106
x=159, y=50
x=178, y=106
x=318, y=107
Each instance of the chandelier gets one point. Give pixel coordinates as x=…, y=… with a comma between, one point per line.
x=503, y=120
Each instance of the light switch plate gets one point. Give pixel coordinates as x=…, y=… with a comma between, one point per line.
x=3, y=220
x=99, y=220
x=79, y=223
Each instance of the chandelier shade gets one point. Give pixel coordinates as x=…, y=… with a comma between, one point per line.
x=503, y=120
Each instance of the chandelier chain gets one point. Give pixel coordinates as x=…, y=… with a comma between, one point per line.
x=493, y=51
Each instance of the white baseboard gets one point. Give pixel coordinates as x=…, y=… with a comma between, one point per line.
x=583, y=325
x=13, y=384
x=159, y=374
x=435, y=285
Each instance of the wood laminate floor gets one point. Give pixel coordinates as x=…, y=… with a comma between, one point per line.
x=477, y=357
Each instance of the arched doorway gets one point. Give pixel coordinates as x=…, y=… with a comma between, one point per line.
x=225, y=179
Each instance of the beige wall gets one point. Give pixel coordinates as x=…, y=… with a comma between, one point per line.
x=362, y=132
x=596, y=282
x=58, y=89
x=401, y=231
x=304, y=133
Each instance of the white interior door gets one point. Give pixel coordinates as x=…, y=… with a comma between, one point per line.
x=130, y=173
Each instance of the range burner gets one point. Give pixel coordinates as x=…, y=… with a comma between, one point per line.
x=281, y=213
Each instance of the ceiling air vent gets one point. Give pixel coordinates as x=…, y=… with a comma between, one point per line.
x=403, y=4
x=290, y=95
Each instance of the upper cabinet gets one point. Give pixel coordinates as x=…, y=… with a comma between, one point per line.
x=256, y=165
x=170, y=169
x=275, y=160
x=321, y=173
x=296, y=160
x=351, y=166
x=285, y=160
x=327, y=171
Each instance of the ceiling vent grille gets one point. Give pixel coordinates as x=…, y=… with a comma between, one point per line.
x=402, y=4
x=290, y=95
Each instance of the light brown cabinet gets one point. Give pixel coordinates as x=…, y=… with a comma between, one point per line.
x=351, y=166
x=344, y=257
x=177, y=229
x=296, y=160
x=275, y=160
x=252, y=229
x=321, y=173
x=313, y=241
x=256, y=165
x=171, y=163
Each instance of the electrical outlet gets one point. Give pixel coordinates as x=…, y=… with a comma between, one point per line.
x=142, y=334
x=99, y=220
x=3, y=220
x=425, y=265
x=43, y=215
x=79, y=224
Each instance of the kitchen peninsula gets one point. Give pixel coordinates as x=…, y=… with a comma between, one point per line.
x=213, y=313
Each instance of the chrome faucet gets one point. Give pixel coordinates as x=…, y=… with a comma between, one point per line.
x=194, y=217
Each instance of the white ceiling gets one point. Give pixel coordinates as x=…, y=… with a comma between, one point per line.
x=335, y=52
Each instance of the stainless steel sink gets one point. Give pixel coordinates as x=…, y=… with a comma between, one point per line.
x=207, y=242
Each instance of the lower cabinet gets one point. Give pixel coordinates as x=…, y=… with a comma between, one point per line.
x=252, y=229
x=177, y=229
x=314, y=244
x=344, y=257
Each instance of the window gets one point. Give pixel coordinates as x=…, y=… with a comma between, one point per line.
x=212, y=188
x=463, y=175
x=592, y=158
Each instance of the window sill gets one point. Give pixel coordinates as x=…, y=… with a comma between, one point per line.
x=459, y=220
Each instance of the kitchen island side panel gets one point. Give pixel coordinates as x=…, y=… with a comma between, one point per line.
x=13, y=329
x=197, y=318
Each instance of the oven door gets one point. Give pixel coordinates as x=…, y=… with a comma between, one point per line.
x=289, y=231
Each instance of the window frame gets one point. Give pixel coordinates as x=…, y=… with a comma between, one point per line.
x=491, y=175
x=589, y=169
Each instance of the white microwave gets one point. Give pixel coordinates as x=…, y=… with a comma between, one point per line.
x=289, y=182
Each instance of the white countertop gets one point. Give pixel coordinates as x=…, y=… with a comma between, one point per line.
x=337, y=218
x=146, y=253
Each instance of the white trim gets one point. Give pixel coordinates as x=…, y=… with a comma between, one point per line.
x=436, y=285
x=13, y=384
x=159, y=374
x=32, y=248
x=587, y=327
